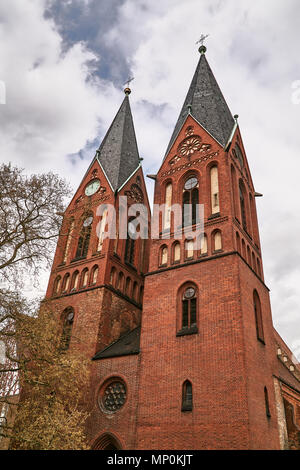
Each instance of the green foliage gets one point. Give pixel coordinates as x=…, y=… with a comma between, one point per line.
x=49, y=413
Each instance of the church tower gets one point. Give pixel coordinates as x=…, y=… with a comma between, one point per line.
x=207, y=339
x=96, y=282
x=179, y=334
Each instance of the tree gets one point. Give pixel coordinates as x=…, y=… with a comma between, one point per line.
x=49, y=413
x=30, y=219
x=48, y=380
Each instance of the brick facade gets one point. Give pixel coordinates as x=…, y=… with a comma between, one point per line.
x=228, y=355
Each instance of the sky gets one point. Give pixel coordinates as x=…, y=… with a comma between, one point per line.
x=63, y=65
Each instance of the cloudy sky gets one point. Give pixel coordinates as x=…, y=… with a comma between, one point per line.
x=64, y=63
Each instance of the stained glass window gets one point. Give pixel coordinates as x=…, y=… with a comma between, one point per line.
x=114, y=396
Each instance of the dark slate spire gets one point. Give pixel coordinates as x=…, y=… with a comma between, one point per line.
x=206, y=104
x=118, y=152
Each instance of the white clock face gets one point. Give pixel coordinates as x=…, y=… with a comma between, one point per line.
x=92, y=187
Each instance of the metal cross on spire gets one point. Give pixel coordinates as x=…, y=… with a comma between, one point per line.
x=128, y=81
x=127, y=90
x=202, y=39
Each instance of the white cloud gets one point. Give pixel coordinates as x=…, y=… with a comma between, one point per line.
x=54, y=103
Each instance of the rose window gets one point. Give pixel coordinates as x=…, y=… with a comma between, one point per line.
x=114, y=396
x=189, y=146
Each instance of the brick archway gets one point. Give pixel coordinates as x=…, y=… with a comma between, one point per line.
x=106, y=442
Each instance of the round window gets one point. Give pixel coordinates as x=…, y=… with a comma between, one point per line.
x=88, y=221
x=189, y=293
x=191, y=183
x=190, y=145
x=113, y=396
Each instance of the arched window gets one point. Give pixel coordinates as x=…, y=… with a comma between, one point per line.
x=163, y=261
x=253, y=262
x=187, y=396
x=248, y=256
x=243, y=205
x=84, y=237
x=134, y=291
x=203, y=245
x=258, y=317
x=106, y=442
x=130, y=244
x=238, y=154
x=189, y=249
x=128, y=286
x=69, y=238
x=57, y=285
x=258, y=267
x=251, y=221
x=66, y=282
x=102, y=230
x=214, y=190
x=238, y=243
x=268, y=413
x=243, y=249
x=234, y=190
x=120, y=284
x=94, y=275
x=176, y=252
x=168, y=204
x=84, y=278
x=67, y=325
x=187, y=303
x=190, y=199
x=254, y=220
x=217, y=241
x=75, y=279
x=113, y=276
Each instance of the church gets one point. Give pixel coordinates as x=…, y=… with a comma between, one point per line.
x=182, y=348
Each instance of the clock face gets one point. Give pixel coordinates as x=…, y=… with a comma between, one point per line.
x=92, y=187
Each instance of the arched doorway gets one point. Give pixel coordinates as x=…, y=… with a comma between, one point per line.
x=106, y=442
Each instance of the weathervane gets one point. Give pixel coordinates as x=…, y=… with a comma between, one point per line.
x=127, y=90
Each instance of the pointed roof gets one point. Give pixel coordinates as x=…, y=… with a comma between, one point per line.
x=206, y=103
x=126, y=345
x=118, y=152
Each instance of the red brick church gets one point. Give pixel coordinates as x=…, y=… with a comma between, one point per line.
x=182, y=346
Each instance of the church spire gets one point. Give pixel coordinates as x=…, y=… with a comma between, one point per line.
x=118, y=152
x=205, y=102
